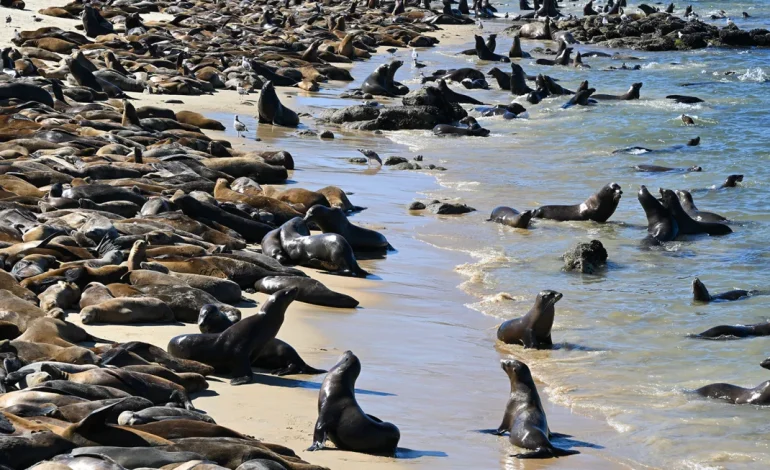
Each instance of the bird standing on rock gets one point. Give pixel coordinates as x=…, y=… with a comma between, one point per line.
x=371, y=155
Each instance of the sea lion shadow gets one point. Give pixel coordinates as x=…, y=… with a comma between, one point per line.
x=276, y=381
x=370, y=255
x=565, y=346
x=206, y=393
x=404, y=453
x=569, y=443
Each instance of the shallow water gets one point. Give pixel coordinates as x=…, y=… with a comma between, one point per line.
x=623, y=354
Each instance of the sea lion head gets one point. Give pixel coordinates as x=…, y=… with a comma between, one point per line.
x=699, y=291
x=317, y=212
x=211, y=319
x=347, y=368
x=614, y=190
x=517, y=371
x=549, y=297
x=685, y=198
x=732, y=180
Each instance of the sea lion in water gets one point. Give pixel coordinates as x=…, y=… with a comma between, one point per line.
x=759, y=395
x=510, y=217
x=732, y=181
x=342, y=420
x=685, y=198
x=701, y=294
x=483, y=52
x=598, y=207
x=631, y=94
x=271, y=111
x=335, y=221
x=735, y=331
x=448, y=129
x=533, y=330
x=524, y=416
x=232, y=349
x=328, y=251
x=664, y=169
x=661, y=225
x=309, y=291
x=688, y=226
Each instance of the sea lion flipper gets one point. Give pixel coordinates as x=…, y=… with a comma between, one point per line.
x=242, y=380
x=97, y=418
x=319, y=436
x=530, y=340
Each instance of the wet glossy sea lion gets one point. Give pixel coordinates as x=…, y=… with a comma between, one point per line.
x=280, y=358
x=212, y=320
x=224, y=290
x=271, y=110
x=342, y=420
x=148, y=457
x=231, y=453
x=631, y=94
x=661, y=225
x=483, y=52
x=271, y=246
x=329, y=251
x=759, y=395
x=128, y=310
x=231, y=350
x=735, y=331
x=663, y=169
x=377, y=82
x=701, y=294
x=732, y=181
x=685, y=198
x=152, y=353
x=335, y=221
x=450, y=130
x=533, y=330
x=598, y=207
x=510, y=217
x=687, y=225
x=309, y=291
x=524, y=416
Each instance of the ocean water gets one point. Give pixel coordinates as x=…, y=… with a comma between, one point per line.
x=623, y=356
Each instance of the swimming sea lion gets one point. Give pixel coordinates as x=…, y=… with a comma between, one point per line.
x=732, y=181
x=510, y=217
x=759, y=395
x=701, y=294
x=524, y=416
x=232, y=349
x=687, y=225
x=598, y=207
x=342, y=420
x=663, y=169
x=271, y=110
x=448, y=129
x=685, y=198
x=333, y=220
x=735, y=331
x=631, y=94
x=533, y=330
x=661, y=225
x=483, y=52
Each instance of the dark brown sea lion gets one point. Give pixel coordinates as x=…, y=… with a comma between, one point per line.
x=224, y=290
x=598, y=207
x=533, y=330
x=510, y=217
x=309, y=291
x=328, y=251
x=341, y=419
x=759, y=395
x=661, y=225
x=685, y=198
x=271, y=110
x=231, y=350
x=687, y=225
x=701, y=294
x=335, y=221
x=160, y=413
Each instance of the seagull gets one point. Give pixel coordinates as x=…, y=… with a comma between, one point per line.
x=687, y=120
x=417, y=65
x=392, y=50
x=242, y=91
x=506, y=15
x=481, y=25
x=239, y=126
x=8, y=19
x=414, y=53
x=371, y=155
x=245, y=64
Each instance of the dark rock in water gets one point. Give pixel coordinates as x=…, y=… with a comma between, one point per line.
x=358, y=160
x=306, y=133
x=394, y=160
x=449, y=208
x=586, y=258
x=326, y=135
x=416, y=206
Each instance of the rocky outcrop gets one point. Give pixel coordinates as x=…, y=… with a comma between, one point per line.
x=586, y=258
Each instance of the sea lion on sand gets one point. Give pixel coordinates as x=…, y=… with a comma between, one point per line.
x=342, y=420
x=329, y=251
x=510, y=217
x=688, y=226
x=661, y=225
x=685, y=198
x=212, y=320
x=735, y=331
x=152, y=353
x=232, y=349
x=224, y=290
x=128, y=310
x=160, y=413
x=271, y=246
x=701, y=294
x=524, y=416
x=759, y=395
x=536, y=30
x=335, y=221
x=230, y=452
x=62, y=295
x=598, y=207
x=148, y=457
x=186, y=302
x=533, y=330
x=271, y=110
x=25, y=92
x=338, y=198
x=280, y=358
x=309, y=291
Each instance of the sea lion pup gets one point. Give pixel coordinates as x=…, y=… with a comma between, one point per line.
x=342, y=420
x=759, y=395
x=128, y=310
x=732, y=181
x=631, y=94
x=661, y=225
x=328, y=251
x=271, y=111
x=333, y=220
x=701, y=294
x=688, y=226
x=525, y=418
x=309, y=291
x=685, y=198
x=160, y=413
x=598, y=207
x=582, y=98
x=735, y=331
x=510, y=217
x=533, y=330
x=231, y=350
x=484, y=53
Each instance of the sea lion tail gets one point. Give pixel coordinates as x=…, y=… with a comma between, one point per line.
x=390, y=247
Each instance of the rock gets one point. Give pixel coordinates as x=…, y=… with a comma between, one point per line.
x=416, y=206
x=326, y=135
x=733, y=36
x=449, y=208
x=394, y=160
x=306, y=133
x=358, y=160
x=586, y=258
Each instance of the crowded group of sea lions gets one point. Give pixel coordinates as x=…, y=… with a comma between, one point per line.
x=128, y=214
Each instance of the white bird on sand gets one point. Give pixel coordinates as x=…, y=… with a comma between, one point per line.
x=414, y=53
x=481, y=25
x=371, y=155
x=242, y=91
x=239, y=126
x=245, y=64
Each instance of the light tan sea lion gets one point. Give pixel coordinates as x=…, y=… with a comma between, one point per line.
x=127, y=310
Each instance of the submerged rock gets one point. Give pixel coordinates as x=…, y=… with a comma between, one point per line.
x=586, y=258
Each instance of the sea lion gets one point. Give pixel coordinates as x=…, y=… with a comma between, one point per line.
x=759, y=395
x=212, y=320
x=271, y=246
x=515, y=52
x=338, y=198
x=280, y=358
x=732, y=181
x=128, y=310
x=533, y=330
x=536, y=30
x=598, y=207
x=483, y=52
x=341, y=419
x=333, y=220
x=735, y=331
x=186, y=302
x=581, y=98
x=377, y=82
x=687, y=225
x=60, y=295
x=631, y=94
x=701, y=294
x=510, y=217
x=524, y=416
x=328, y=251
x=271, y=110
x=137, y=255
x=232, y=349
x=448, y=129
x=684, y=99
x=160, y=413
x=685, y=198
x=661, y=225
x=224, y=290
x=309, y=291
x=155, y=354
x=518, y=84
